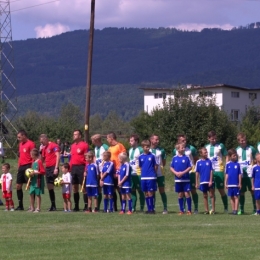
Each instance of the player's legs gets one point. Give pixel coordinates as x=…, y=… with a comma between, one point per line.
x=32, y=202
x=116, y=189
x=141, y=194
x=205, y=201
x=212, y=198
x=242, y=195
x=123, y=201
x=50, y=185
x=161, y=187
x=219, y=184
x=129, y=199
x=38, y=202
x=194, y=194
x=186, y=189
x=249, y=186
x=135, y=181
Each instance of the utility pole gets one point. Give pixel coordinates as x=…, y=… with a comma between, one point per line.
x=89, y=70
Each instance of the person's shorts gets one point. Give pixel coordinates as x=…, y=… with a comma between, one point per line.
x=192, y=180
x=77, y=173
x=257, y=194
x=219, y=179
x=35, y=190
x=108, y=190
x=66, y=196
x=92, y=191
x=246, y=184
x=205, y=187
x=21, y=177
x=136, y=182
x=149, y=185
x=7, y=195
x=161, y=181
x=182, y=187
x=50, y=176
x=125, y=190
x=233, y=192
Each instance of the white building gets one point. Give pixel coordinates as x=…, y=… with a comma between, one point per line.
x=234, y=100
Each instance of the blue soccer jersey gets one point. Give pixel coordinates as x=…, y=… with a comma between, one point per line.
x=256, y=177
x=147, y=163
x=108, y=168
x=204, y=168
x=92, y=175
x=180, y=164
x=125, y=170
x=233, y=170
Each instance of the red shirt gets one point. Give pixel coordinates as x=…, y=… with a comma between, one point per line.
x=25, y=152
x=49, y=154
x=78, y=151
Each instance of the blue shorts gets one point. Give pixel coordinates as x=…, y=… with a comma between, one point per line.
x=182, y=187
x=205, y=187
x=149, y=185
x=108, y=189
x=125, y=190
x=233, y=191
x=257, y=194
x=92, y=191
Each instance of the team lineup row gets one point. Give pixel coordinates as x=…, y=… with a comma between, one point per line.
x=107, y=169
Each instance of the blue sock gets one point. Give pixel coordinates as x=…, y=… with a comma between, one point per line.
x=147, y=203
x=123, y=205
x=181, y=204
x=258, y=211
x=189, y=203
x=130, y=205
x=111, y=203
x=105, y=204
x=151, y=203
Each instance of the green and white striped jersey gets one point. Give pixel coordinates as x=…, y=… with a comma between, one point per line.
x=160, y=155
x=134, y=154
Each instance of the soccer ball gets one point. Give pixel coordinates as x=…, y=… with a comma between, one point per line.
x=57, y=181
x=28, y=172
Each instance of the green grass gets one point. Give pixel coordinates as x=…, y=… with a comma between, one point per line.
x=59, y=235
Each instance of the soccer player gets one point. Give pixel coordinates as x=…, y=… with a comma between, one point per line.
x=160, y=157
x=107, y=181
x=191, y=153
x=115, y=148
x=124, y=183
x=233, y=179
x=180, y=167
x=37, y=181
x=6, y=180
x=134, y=152
x=24, y=162
x=100, y=148
x=246, y=155
x=256, y=183
x=50, y=154
x=217, y=153
x=66, y=187
x=92, y=174
x=148, y=165
x=204, y=173
x=77, y=164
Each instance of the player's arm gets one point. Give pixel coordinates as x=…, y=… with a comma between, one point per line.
x=197, y=180
x=56, y=170
x=240, y=181
x=9, y=187
x=252, y=182
x=226, y=181
x=211, y=178
x=186, y=171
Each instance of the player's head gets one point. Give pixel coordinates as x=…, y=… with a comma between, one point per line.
x=22, y=136
x=44, y=139
x=35, y=153
x=77, y=135
x=122, y=157
x=155, y=140
x=146, y=144
x=182, y=138
x=5, y=167
x=180, y=147
x=134, y=140
x=212, y=137
x=241, y=139
x=257, y=157
x=232, y=154
x=65, y=167
x=106, y=156
x=58, y=141
x=111, y=138
x=96, y=139
x=203, y=152
x=90, y=157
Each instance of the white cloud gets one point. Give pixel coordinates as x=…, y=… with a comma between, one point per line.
x=50, y=30
x=200, y=26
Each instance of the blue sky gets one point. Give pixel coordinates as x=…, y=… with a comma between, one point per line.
x=68, y=15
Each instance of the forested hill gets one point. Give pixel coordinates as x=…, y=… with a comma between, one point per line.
x=132, y=56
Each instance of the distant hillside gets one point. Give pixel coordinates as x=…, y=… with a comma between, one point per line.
x=133, y=56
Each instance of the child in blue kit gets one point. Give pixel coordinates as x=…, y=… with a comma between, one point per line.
x=148, y=166
x=107, y=181
x=124, y=183
x=180, y=167
x=204, y=176
x=233, y=179
x=256, y=183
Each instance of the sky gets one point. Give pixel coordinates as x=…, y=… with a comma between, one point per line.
x=46, y=20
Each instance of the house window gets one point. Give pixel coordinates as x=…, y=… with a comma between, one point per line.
x=205, y=94
x=252, y=96
x=156, y=95
x=234, y=115
x=164, y=95
x=160, y=95
x=235, y=94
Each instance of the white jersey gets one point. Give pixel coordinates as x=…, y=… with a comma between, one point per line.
x=67, y=188
x=160, y=155
x=99, y=155
x=6, y=180
x=134, y=154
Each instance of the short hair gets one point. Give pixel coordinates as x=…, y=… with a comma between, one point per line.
x=232, y=151
x=241, y=135
x=96, y=137
x=177, y=146
x=123, y=156
x=107, y=153
x=35, y=152
x=7, y=165
x=22, y=132
x=44, y=136
x=112, y=135
x=145, y=143
x=211, y=134
x=181, y=135
x=78, y=130
x=136, y=137
x=202, y=149
x=66, y=166
x=90, y=154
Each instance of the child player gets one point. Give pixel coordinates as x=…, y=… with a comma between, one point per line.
x=256, y=183
x=124, y=183
x=204, y=173
x=148, y=165
x=180, y=167
x=107, y=181
x=66, y=187
x=6, y=180
x=92, y=174
x=233, y=179
x=37, y=181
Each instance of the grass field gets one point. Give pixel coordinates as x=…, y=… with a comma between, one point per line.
x=59, y=235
